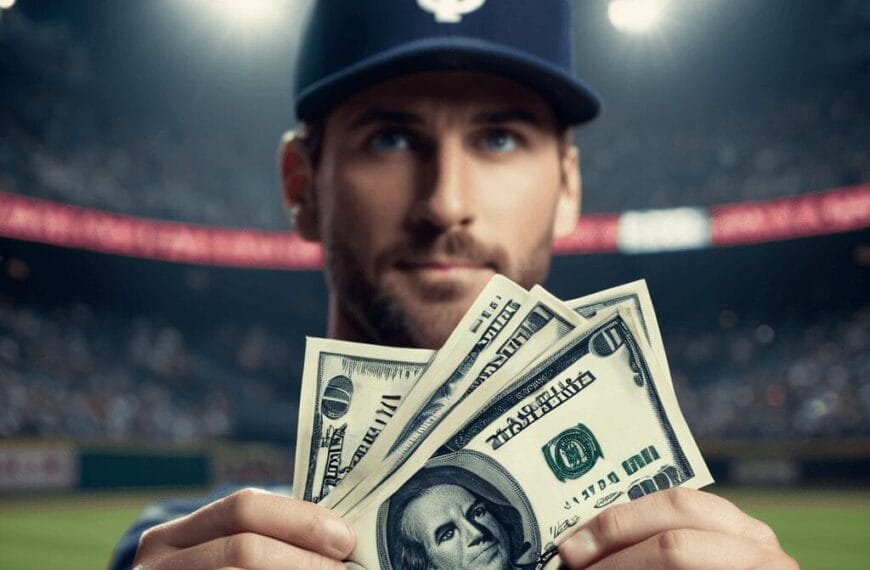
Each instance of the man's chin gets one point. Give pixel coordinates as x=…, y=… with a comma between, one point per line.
x=430, y=322
x=426, y=318
x=405, y=309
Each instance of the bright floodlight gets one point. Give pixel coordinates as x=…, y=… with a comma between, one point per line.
x=248, y=14
x=635, y=15
x=6, y=4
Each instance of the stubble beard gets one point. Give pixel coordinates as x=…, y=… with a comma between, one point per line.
x=386, y=315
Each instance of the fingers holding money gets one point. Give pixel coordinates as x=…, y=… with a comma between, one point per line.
x=689, y=548
x=245, y=550
x=251, y=529
x=678, y=528
x=251, y=510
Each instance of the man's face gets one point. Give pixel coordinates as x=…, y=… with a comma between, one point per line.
x=456, y=529
x=427, y=186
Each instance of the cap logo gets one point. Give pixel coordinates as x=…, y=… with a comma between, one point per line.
x=450, y=11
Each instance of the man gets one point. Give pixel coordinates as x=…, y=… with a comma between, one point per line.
x=449, y=517
x=446, y=526
x=434, y=152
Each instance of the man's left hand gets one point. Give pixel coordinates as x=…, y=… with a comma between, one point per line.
x=675, y=529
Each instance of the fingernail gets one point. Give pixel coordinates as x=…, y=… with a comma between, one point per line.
x=585, y=536
x=580, y=548
x=339, y=537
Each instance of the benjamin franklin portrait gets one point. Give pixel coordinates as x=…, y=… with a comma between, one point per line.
x=455, y=513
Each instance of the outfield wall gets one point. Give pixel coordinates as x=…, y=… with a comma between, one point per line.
x=34, y=465
x=834, y=462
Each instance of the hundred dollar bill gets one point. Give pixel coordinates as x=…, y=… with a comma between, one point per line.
x=504, y=350
x=319, y=468
x=496, y=305
x=635, y=296
x=350, y=391
x=503, y=485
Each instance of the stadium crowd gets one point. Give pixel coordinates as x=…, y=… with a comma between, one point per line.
x=71, y=372
x=790, y=380
x=76, y=373
x=808, y=142
x=59, y=141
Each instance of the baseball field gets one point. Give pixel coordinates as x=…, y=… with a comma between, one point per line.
x=821, y=528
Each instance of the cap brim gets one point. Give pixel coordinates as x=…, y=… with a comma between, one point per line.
x=573, y=101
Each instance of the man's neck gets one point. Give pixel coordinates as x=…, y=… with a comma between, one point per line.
x=343, y=325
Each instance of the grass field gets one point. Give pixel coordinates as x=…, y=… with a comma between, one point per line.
x=821, y=528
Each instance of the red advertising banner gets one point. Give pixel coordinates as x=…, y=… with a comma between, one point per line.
x=33, y=219
x=834, y=211
x=593, y=234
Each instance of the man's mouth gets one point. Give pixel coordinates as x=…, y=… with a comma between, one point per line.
x=486, y=554
x=437, y=278
x=444, y=266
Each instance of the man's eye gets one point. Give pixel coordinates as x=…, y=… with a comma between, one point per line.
x=445, y=535
x=478, y=512
x=500, y=141
x=391, y=141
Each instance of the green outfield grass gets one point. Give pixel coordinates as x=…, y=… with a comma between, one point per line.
x=75, y=531
x=821, y=528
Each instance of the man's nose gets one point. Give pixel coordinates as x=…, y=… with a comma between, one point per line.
x=473, y=534
x=444, y=199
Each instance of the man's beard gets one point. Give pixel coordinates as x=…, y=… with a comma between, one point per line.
x=379, y=313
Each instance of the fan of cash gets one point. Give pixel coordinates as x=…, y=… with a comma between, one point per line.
x=534, y=416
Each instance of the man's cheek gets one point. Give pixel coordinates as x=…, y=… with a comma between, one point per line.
x=352, y=243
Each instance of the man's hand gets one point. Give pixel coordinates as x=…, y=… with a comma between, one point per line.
x=675, y=529
x=249, y=529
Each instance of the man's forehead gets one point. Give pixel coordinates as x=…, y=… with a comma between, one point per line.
x=444, y=494
x=477, y=97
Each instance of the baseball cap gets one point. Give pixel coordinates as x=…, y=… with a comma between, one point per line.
x=351, y=45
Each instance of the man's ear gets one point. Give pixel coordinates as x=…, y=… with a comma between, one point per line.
x=570, y=194
x=297, y=186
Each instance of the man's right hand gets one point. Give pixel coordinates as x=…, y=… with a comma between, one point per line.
x=249, y=529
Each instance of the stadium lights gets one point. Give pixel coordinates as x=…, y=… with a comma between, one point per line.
x=6, y=4
x=247, y=15
x=635, y=16
x=250, y=33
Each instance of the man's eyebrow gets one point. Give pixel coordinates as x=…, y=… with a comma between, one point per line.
x=381, y=116
x=511, y=115
x=473, y=506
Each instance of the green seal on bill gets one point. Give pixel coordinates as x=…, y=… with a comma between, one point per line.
x=572, y=453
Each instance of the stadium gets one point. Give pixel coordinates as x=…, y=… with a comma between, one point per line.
x=154, y=299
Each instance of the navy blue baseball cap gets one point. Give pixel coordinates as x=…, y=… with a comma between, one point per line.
x=351, y=45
